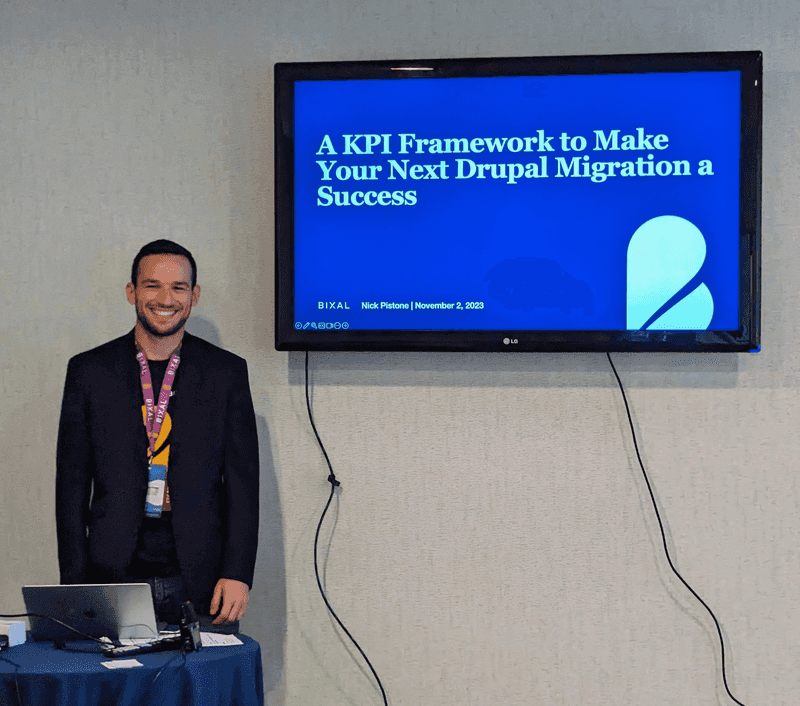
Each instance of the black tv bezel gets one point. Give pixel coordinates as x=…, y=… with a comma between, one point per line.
x=745, y=339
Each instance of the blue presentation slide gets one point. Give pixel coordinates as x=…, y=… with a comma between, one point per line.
x=602, y=202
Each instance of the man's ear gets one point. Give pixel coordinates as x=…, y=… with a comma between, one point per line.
x=130, y=291
x=195, y=294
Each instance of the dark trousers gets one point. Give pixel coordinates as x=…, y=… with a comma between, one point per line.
x=168, y=595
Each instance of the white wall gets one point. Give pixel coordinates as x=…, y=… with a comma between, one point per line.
x=493, y=541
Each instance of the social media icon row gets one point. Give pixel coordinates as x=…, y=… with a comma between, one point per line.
x=322, y=325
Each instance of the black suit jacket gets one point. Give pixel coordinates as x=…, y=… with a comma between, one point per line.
x=101, y=467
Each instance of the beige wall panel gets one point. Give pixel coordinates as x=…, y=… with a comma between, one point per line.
x=493, y=540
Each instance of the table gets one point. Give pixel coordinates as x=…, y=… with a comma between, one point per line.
x=212, y=676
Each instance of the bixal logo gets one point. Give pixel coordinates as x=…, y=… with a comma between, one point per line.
x=333, y=305
x=508, y=341
x=665, y=291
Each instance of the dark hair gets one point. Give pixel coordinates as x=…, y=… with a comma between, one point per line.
x=162, y=247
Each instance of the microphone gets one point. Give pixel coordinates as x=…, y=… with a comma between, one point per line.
x=190, y=628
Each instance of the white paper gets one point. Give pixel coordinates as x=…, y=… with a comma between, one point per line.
x=122, y=664
x=215, y=639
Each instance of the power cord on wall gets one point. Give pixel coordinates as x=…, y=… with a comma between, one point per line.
x=332, y=480
x=664, y=536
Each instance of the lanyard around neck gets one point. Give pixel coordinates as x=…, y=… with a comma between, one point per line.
x=155, y=413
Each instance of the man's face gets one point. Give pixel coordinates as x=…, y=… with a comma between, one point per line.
x=163, y=294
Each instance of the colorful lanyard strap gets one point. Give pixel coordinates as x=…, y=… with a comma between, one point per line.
x=155, y=414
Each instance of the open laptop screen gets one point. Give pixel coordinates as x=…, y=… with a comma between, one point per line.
x=116, y=611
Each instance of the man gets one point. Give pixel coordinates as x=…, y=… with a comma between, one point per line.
x=157, y=456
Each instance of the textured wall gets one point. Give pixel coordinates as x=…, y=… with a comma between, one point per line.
x=493, y=541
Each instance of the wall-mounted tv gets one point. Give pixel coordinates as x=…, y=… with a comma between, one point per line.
x=583, y=203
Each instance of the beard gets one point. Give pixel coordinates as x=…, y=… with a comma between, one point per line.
x=154, y=331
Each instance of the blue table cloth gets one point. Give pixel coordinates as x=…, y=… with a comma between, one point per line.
x=37, y=674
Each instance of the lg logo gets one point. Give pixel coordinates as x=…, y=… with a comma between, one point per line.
x=510, y=341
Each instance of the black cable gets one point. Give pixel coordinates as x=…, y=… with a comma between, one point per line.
x=55, y=620
x=332, y=480
x=158, y=673
x=664, y=536
x=69, y=627
x=16, y=682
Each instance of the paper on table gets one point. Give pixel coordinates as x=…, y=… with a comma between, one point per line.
x=215, y=639
x=122, y=664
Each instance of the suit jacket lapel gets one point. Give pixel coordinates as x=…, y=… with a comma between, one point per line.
x=188, y=382
x=132, y=389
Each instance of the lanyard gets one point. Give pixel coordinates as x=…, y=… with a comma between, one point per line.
x=155, y=414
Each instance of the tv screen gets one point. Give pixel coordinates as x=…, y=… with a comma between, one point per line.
x=593, y=203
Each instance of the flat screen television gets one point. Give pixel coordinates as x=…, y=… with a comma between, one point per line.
x=581, y=203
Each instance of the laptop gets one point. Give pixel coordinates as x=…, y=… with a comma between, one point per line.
x=116, y=611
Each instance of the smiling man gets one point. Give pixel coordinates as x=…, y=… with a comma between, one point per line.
x=157, y=457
